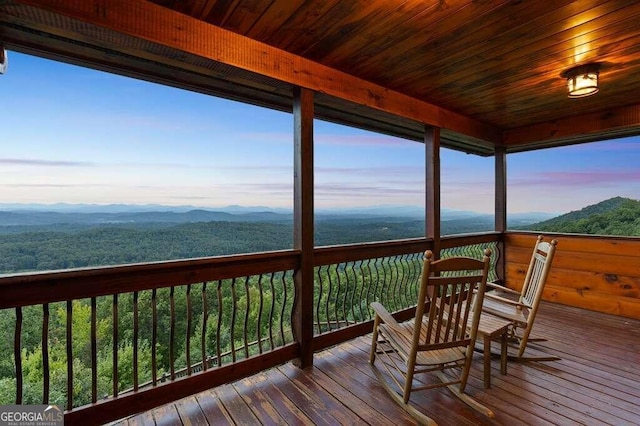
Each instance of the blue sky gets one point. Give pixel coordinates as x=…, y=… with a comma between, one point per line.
x=77, y=135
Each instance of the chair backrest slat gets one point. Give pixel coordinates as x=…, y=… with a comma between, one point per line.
x=539, y=267
x=453, y=290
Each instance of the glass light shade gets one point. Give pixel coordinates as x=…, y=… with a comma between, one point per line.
x=3, y=60
x=582, y=84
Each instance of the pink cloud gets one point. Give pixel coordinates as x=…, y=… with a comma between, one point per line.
x=577, y=179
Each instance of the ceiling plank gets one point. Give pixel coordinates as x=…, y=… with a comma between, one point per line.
x=273, y=18
x=504, y=39
x=246, y=14
x=405, y=31
x=519, y=60
x=156, y=24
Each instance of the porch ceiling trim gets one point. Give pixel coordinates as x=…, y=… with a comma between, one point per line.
x=615, y=122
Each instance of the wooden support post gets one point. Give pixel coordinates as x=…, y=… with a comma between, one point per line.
x=432, y=179
x=501, y=207
x=303, y=223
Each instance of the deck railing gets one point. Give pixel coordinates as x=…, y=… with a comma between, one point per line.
x=108, y=342
x=343, y=291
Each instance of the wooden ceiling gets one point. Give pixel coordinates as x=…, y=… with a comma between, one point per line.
x=487, y=72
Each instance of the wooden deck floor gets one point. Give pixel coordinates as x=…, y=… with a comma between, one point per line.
x=596, y=382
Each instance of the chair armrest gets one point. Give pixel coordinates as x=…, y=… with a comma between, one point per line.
x=502, y=288
x=384, y=315
x=505, y=300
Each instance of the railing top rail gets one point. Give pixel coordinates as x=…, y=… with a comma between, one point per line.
x=353, y=252
x=48, y=287
x=450, y=241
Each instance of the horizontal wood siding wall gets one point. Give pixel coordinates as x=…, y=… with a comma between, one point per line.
x=597, y=273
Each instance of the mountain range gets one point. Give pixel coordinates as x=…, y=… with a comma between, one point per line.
x=93, y=214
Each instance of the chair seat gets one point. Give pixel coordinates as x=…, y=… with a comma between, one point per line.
x=503, y=310
x=400, y=339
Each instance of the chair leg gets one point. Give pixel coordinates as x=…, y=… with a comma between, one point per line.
x=374, y=340
x=487, y=356
x=487, y=361
x=408, y=383
x=503, y=354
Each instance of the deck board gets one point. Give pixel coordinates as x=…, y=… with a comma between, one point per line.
x=595, y=382
x=213, y=410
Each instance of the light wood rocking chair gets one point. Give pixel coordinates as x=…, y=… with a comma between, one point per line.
x=441, y=336
x=521, y=307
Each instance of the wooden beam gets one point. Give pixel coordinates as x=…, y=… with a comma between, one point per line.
x=303, y=222
x=500, y=207
x=156, y=24
x=624, y=121
x=432, y=166
x=500, y=189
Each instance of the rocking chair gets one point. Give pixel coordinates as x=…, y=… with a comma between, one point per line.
x=521, y=307
x=440, y=338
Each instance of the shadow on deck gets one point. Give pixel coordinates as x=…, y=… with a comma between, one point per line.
x=596, y=382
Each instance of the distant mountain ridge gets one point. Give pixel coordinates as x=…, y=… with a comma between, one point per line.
x=95, y=214
x=35, y=217
x=129, y=208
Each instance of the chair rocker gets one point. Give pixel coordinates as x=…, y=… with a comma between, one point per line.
x=440, y=339
x=521, y=307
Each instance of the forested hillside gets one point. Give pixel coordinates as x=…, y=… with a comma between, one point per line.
x=50, y=245
x=615, y=216
x=112, y=245
x=66, y=246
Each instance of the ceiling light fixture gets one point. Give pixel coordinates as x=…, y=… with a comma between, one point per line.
x=582, y=80
x=3, y=60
